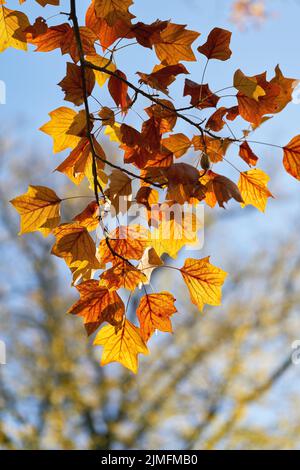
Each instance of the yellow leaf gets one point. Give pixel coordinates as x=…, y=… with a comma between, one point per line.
x=172, y=235
x=122, y=345
x=204, y=281
x=39, y=209
x=65, y=127
x=253, y=188
x=99, y=61
x=12, y=25
x=154, y=313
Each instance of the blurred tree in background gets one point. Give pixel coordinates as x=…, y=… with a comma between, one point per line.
x=222, y=382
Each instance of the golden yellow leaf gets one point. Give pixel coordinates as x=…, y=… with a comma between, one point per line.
x=99, y=61
x=204, y=281
x=154, y=313
x=174, y=233
x=39, y=209
x=122, y=345
x=12, y=25
x=253, y=188
x=65, y=127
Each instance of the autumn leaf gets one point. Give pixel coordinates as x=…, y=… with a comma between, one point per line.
x=118, y=90
x=75, y=246
x=89, y=217
x=65, y=127
x=173, y=233
x=178, y=144
x=161, y=77
x=122, y=345
x=39, y=209
x=184, y=183
x=148, y=34
x=247, y=85
x=80, y=162
x=72, y=84
x=62, y=37
x=122, y=275
x=220, y=189
x=253, y=187
x=154, y=313
x=107, y=34
x=204, y=281
x=119, y=191
x=97, y=304
x=216, y=122
x=217, y=45
x=126, y=241
x=12, y=25
x=247, y=154
x=113, y=10
x=150, y=261
x=101, y=77
x=175, y=44
x=201, y=95
x=291, y=159
x=214, y=148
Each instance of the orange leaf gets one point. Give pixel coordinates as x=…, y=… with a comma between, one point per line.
x=178, y=144
x=75, y=246
x=113, y=10
x=79, y=163
x=162, y=77
x=253, y=187
x=89, y=217
x=97, y=305
x=204, y=281
x=175, y=44
x=215, y=122
x=118, y=90
x=217, y=45
x=220, y=190
x=122, y=275
x=148, y=34
x=121, y=346
x=291, y=159
x=214, y=148
x=127, y=241
x=154, y=313
x=39, y=209
x=247, y=154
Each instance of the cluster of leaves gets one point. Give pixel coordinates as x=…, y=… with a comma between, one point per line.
x=126, y=257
